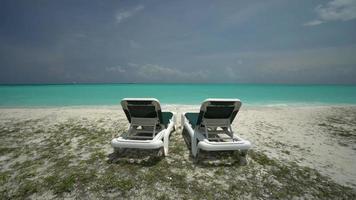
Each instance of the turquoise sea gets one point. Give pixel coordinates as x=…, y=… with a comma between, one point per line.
x=111, y=94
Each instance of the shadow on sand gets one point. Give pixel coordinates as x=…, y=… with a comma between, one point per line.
x=214, y=158
x=144, y=157
x=150, y=157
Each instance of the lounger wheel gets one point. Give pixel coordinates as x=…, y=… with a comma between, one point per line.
x=243, y=157
x=196, y=159
x=173, y=129
x=118, y=150
x=243, y=153
x=160, y=153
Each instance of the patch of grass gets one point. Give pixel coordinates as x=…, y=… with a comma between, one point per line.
x=6, y=150
x=163, y=197
x=219, y=171
x=286, y=152
x=341, y=125
x=199, y=191
x=111, y=182
x=50, y=180
x=98, y=155
x=323, y=124
x=156, y=174
x=65, y=184
x=178, y=149
x=284, y=181
x=178, y=180
x=26, y=188
x=261, y=158
x=4, y=177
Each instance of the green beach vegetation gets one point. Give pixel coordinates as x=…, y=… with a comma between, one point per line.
x=72, y=158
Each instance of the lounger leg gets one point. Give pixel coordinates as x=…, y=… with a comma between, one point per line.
x=166, y=142
x=243, y=157
x=173, y=128
x=187, y=139
x=206, y=132
x=196, y=158
x=194, y=146
x=154, y=131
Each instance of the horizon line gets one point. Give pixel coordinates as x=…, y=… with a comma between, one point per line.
x=175, y=83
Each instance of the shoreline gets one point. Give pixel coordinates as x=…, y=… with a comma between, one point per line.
x=283, y=105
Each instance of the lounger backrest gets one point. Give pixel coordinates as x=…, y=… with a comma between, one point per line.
x=142, y=108
x=219, y=109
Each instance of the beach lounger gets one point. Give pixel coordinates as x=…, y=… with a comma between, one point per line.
x=210, y=129
x=149, y=127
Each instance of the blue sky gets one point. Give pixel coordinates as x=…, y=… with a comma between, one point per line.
x=275, y=41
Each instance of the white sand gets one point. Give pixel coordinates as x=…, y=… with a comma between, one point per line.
x=285, y=133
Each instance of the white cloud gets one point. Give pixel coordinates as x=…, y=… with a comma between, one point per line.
x=116, y=69
x=313, y=23
x=245, y=13
x=122, y=15
x=336, y=10
x=274, y=61
x=156, y=70
x=157, y=73
x=161, y=73
x=134, y=45
x=231, y=73
x=322, y=59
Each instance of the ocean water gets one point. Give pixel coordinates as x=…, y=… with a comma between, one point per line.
x=111, y=94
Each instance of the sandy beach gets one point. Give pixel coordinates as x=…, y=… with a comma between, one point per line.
x=64, y=152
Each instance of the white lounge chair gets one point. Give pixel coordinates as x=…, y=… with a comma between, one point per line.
x=149, y=127
x=210, y=130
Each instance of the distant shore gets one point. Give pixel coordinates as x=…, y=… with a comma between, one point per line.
x=48, y=152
